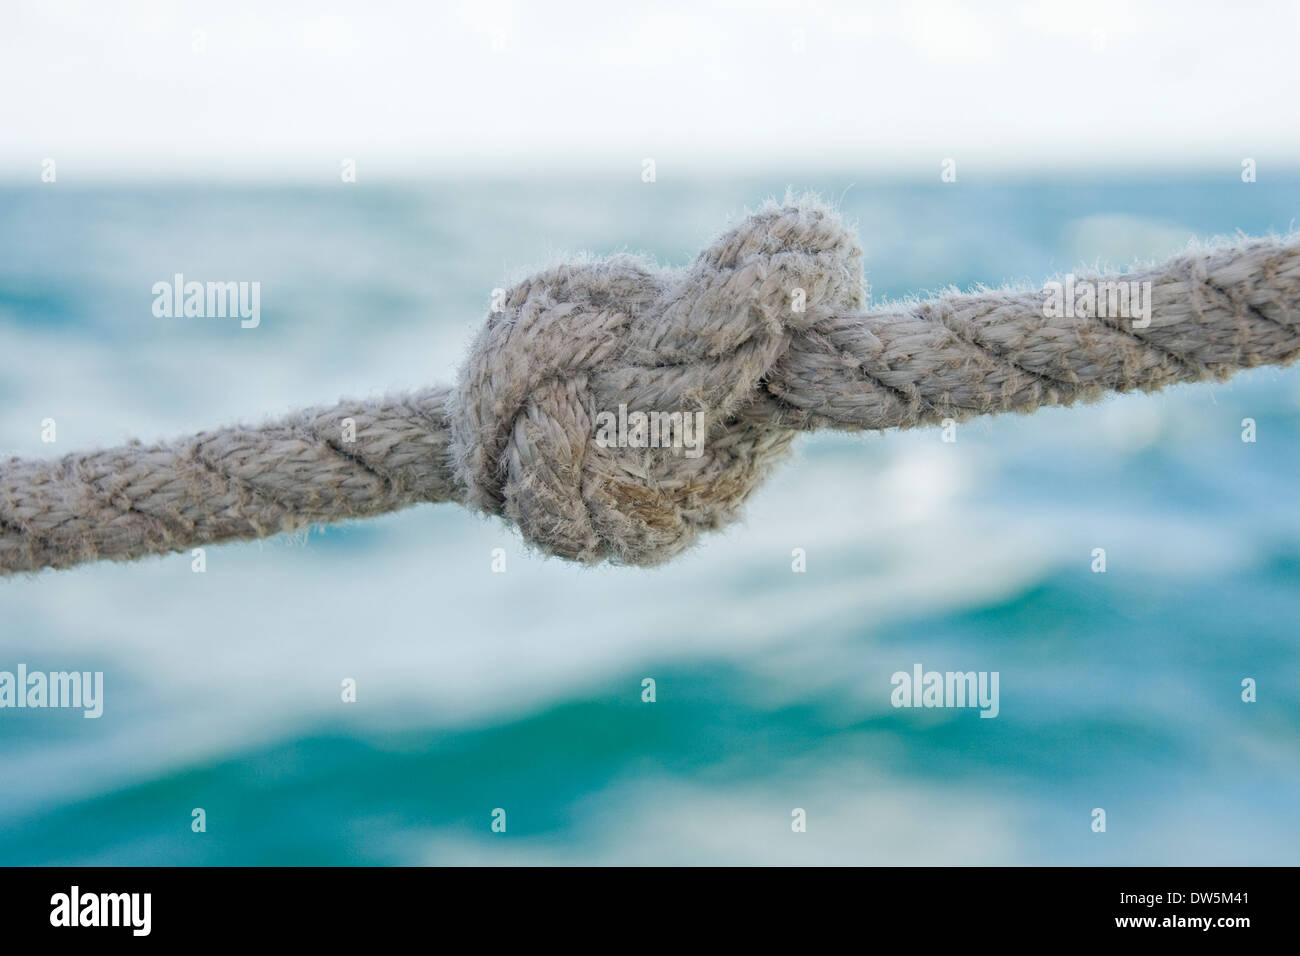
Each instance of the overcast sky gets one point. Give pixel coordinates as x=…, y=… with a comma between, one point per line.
x=289, y=88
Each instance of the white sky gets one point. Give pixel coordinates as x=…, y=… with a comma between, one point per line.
x=288, y=88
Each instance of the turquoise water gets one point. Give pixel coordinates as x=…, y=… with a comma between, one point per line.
x=522, y=691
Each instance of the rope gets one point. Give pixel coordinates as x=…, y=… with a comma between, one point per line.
x=577, y=345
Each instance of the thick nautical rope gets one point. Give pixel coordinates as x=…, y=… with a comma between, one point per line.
x=766, y=334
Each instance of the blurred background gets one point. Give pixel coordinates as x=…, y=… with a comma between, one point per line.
x=212, y=140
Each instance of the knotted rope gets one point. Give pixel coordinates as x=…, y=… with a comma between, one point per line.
x=518, y=436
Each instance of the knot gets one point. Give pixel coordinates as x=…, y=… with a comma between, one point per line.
x=546, y=429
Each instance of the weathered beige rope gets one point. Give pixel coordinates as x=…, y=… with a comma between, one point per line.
x=725, y=337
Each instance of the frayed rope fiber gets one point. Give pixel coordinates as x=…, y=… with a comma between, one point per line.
x=725, y=336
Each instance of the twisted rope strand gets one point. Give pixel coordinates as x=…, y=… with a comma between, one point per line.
x=517, y=436
x=967, y=354
x=225, y=485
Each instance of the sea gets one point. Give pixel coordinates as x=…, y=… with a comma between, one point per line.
x=421, y=689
